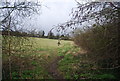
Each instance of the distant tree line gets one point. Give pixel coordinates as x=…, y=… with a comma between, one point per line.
x=34, y=33
x=23, y=33
x=51, y=35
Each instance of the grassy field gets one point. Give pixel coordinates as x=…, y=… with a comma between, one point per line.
x=30, y=59
x=33, y=59
x=49, y=43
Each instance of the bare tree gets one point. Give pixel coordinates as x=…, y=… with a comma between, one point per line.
x=107, y=16
x=102, y=14
x=17, y=10
x=99, y=12
x=11, y=15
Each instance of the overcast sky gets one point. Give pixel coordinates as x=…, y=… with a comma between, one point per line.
x=53, y=12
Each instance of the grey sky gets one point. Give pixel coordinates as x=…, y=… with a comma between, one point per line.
x=53, y=12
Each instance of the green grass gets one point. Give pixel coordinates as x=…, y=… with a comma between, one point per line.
x=31, y=58
x=45, y=50
x=48, y=43
x=72, y=68
x=76, y=67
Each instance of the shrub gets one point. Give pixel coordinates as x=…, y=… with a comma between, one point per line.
x=102, y=44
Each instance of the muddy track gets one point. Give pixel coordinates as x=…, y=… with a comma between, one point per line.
x=53, y=68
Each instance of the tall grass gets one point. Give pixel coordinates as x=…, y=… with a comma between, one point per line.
x=12, y=50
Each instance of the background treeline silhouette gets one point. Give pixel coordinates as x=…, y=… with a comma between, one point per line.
x=33, y=33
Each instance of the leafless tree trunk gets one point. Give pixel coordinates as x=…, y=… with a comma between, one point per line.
x=9, y=46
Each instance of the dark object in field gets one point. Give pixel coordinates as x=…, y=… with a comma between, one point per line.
x=59, y=43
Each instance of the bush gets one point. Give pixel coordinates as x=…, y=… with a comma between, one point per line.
x=101, y=43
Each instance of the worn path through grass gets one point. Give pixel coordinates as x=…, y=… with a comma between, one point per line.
x=51, y=52
x=53, y=68
x=41, y=58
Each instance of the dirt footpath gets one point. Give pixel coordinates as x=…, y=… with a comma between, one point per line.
x=53, y=68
